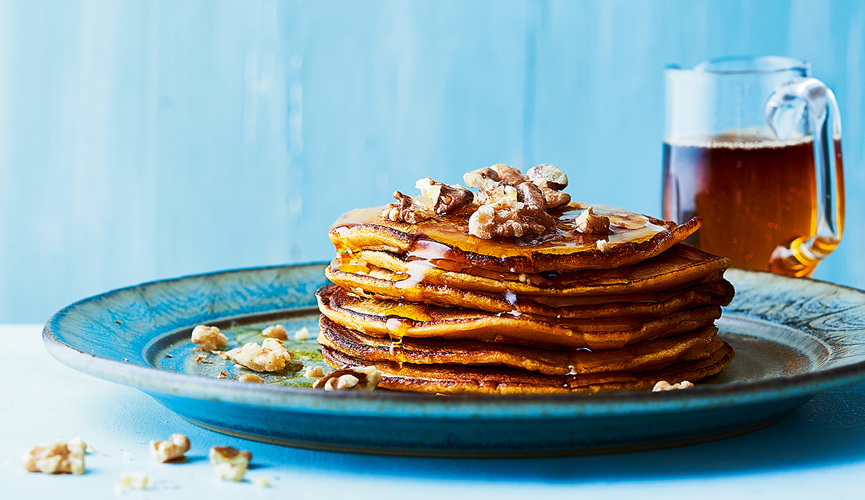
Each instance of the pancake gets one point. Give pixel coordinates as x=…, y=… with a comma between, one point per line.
x=457, y=379
x=649, y=355
x=395, y=320
x=678, y=265
x=632, y=238
x=516, y=290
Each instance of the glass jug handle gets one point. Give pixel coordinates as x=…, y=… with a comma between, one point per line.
x=784, y=109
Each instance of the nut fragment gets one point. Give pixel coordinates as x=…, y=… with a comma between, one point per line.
x=78, y=447
x=663, y=385
x=302, y=334
x=251, y=378
x=603, y=246
x=261, y=481
x=591, y=223
x=483, y=178
x=208, y=338
x=133, y=481
x=547, y=175
x=510, y=219
x=231, y=464
x=270, y=356
x=406, y=209
x=313, y=372
x=359, y=378
x=446, y=198
x=275, y=332
x=167, y=451
x=55, y=458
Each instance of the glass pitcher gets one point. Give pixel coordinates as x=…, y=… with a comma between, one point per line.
x=753, y=146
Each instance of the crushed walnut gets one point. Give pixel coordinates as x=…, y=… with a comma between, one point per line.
x=79, y=447
x=261, y=481
x=171, y=450
x=270, y=356
x=663, y=385
x=603, y=245
x=364, y=378
x=133, y=481
x=231, y=464
x=591, y=223
x=302, y=334
x=55, y=458
x=513, y=204
x=208, y=338
x=275, y=332
x=313, y=372
x=251, y=378
x=406, y=209
x=445, y=198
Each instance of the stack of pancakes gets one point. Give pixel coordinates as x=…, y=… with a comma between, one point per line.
x=437, y=310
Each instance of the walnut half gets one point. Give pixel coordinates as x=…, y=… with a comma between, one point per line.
x=364, y=378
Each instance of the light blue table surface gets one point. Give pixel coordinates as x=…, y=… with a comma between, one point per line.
x=818, y=452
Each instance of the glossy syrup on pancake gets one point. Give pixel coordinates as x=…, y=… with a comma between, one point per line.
x=632, y=238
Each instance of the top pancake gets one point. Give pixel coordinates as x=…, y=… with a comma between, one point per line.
x=633, y=238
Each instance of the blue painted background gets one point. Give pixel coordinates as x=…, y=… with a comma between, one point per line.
x=146, y=140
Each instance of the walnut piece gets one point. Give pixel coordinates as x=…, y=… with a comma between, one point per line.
x=509, y=218
x=446, y=198
x=590, y=223
x=275, y=332
x=79, y=447
x=302, y=334
x=313, y=372
x=270, y=356
x=364, y=378
x=251, y=378
x=603, y=246
x=133, y=481
x=208, y=338
x=261, y=481
x=231, y=464
x=483, y=178
x=406, y=209
x=663, y=385
x=513, y=204
x=55, y=458
x=167, y=451
x=547, y=175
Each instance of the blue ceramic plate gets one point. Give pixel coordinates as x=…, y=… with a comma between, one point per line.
x=793, y=338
